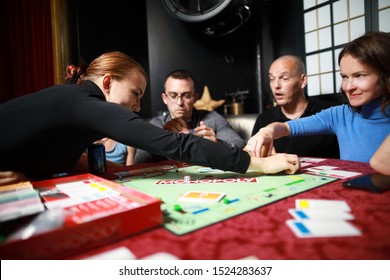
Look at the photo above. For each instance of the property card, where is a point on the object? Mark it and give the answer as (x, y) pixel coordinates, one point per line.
(325, 204)
(320, 214)
(209, 169)
(195, 196)
(306, 161)
(322, 228)
(330, 171)
(15, 203)
(15, 187)
(311, 160)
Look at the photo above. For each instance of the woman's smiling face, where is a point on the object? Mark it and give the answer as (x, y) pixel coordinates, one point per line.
(359, 82)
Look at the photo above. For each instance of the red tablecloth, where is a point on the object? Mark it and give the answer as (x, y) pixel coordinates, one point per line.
(263, 233)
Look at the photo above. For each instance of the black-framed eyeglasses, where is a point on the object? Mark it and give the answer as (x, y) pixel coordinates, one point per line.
(174, 96)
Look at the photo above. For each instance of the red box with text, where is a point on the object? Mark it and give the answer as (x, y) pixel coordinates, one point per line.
(83, 212)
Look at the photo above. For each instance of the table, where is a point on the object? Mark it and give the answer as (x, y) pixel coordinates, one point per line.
(262, 233)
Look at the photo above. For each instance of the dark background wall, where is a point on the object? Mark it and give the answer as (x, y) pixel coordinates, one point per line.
(161, 43)
(224, 64)
(113, 26)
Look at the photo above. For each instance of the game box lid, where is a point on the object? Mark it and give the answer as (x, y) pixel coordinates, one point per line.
(82, 212)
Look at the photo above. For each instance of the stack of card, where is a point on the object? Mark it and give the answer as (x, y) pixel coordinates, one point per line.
(322, 218)
(18, 200)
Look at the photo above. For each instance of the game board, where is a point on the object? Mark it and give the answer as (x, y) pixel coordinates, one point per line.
(233, 193)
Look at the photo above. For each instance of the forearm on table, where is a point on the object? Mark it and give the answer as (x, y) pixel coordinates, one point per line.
(277, 130)
(380, 163)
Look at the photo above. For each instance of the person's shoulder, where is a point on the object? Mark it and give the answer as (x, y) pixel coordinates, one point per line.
(120, 148)
(59, 89)
(335, 111)
(204, 114)
(213, 114)
(158, 120)
(120, 145)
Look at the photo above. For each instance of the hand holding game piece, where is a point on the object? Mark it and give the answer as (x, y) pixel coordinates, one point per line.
(206, 132)
(276, 163)
(177, 125)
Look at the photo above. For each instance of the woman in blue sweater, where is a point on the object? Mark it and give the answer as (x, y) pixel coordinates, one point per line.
(363, 124)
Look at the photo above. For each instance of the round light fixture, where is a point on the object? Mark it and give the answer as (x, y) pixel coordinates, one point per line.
(212, 18)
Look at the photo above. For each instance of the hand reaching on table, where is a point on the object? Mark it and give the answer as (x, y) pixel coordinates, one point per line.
(262, 143)
(275, 163)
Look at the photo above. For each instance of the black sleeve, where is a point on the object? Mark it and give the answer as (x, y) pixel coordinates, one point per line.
(124, 126)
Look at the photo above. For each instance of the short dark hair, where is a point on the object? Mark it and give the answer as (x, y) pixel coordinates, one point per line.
(181, 75)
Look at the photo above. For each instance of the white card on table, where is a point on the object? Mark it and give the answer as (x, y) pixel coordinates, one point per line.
(320, 214)
(326, 171)
(322, 228)
(330, 205)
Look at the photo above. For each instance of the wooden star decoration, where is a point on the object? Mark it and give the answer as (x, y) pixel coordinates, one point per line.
(206, 103)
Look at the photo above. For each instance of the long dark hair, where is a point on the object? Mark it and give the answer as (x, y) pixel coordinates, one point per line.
(373, 50)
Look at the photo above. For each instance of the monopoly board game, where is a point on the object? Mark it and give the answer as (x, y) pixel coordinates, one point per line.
(194, 196)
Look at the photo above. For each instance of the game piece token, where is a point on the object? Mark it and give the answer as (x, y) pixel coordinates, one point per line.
(177, 207)
(187, 179)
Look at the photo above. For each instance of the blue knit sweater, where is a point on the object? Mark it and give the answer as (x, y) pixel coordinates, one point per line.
(359, 134)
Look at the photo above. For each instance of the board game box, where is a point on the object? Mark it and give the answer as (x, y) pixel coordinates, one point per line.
(82, 212)
(193, 197)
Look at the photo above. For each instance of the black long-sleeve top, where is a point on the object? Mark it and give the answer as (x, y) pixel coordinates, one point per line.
(46, 132)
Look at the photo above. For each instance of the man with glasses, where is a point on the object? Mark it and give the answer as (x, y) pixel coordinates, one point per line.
(179, 96)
